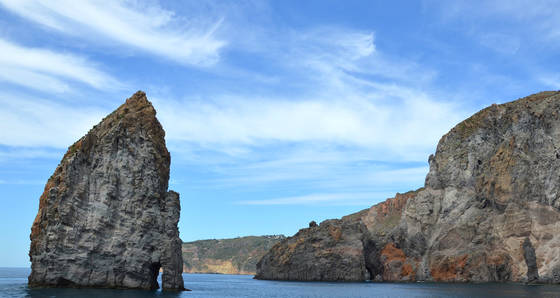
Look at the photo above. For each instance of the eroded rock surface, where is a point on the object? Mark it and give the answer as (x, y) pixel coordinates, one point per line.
(330, 251)
(489, 211)
(106, 218)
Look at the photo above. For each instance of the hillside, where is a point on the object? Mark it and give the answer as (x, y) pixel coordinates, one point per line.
(227, 256)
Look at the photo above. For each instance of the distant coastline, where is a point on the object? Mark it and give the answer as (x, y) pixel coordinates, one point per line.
(226, 256)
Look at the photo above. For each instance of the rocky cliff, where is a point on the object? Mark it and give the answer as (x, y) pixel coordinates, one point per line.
(227, 256)
(489, 211)
(106, 218)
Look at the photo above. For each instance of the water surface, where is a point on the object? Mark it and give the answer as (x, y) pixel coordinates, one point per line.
(13, 283)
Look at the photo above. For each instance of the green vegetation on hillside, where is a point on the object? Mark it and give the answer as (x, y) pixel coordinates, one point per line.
(229, 256)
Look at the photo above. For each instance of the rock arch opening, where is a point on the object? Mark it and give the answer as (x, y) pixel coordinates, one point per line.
(154, 271)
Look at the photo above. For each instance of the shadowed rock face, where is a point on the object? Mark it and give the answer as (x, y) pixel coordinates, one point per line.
(336, 250)
(331, 251)
(489, 211)
(106, 218)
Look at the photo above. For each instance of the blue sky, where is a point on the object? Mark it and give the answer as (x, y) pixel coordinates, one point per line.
(277, 113)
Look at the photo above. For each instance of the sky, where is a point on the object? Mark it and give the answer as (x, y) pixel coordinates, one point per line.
(276, 112)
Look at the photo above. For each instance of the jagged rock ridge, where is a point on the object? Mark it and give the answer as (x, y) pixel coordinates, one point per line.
(227, 256)
(106, 218)
(489, 211)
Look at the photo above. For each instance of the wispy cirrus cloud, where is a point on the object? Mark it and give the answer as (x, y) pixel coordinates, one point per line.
(541, 15)
(347, 93)
(405, 128)
(519, 21)
(22, 182)
(521, 34)
(301, 166)
(35, 122)
(339, 174)
(346, 199)
(26, 153)
(551, 79)
(347, 107)
(48, 70)
(146, 27)
(338, 104)
(337, 53)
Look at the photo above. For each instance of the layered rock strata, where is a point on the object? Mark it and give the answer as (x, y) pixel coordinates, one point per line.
(106, 218)
(489, 211)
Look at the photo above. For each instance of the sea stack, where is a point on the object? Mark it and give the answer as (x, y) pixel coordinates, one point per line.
(106, 218)
(489, 211)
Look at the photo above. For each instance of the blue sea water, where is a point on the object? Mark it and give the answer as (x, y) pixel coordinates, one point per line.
(13, 283)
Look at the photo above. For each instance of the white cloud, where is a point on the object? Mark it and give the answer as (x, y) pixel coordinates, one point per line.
(352, 95)
(36, 122)
(336, 174)
(340, 58)
(524, 34)
(354, 106)
(22, 182)
(501, 43)
(345, 199)
(403, 129)
(14, 153)
(538, 19)
(141, 26)
(46, 70)
(551, 80)
(359, 186)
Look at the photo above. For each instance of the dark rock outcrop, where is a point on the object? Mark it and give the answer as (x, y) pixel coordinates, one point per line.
(106, 218)
(489, 211)
(340, 257)
(347, 249)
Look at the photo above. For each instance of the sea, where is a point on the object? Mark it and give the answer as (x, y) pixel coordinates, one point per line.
(13, 283)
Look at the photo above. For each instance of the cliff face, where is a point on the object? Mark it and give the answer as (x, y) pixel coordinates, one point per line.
(226, 256)
(106, 218)
(344, 249)
(488, 212)
(331, 251)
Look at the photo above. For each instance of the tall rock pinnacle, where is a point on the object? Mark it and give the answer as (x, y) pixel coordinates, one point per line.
(106, 218)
